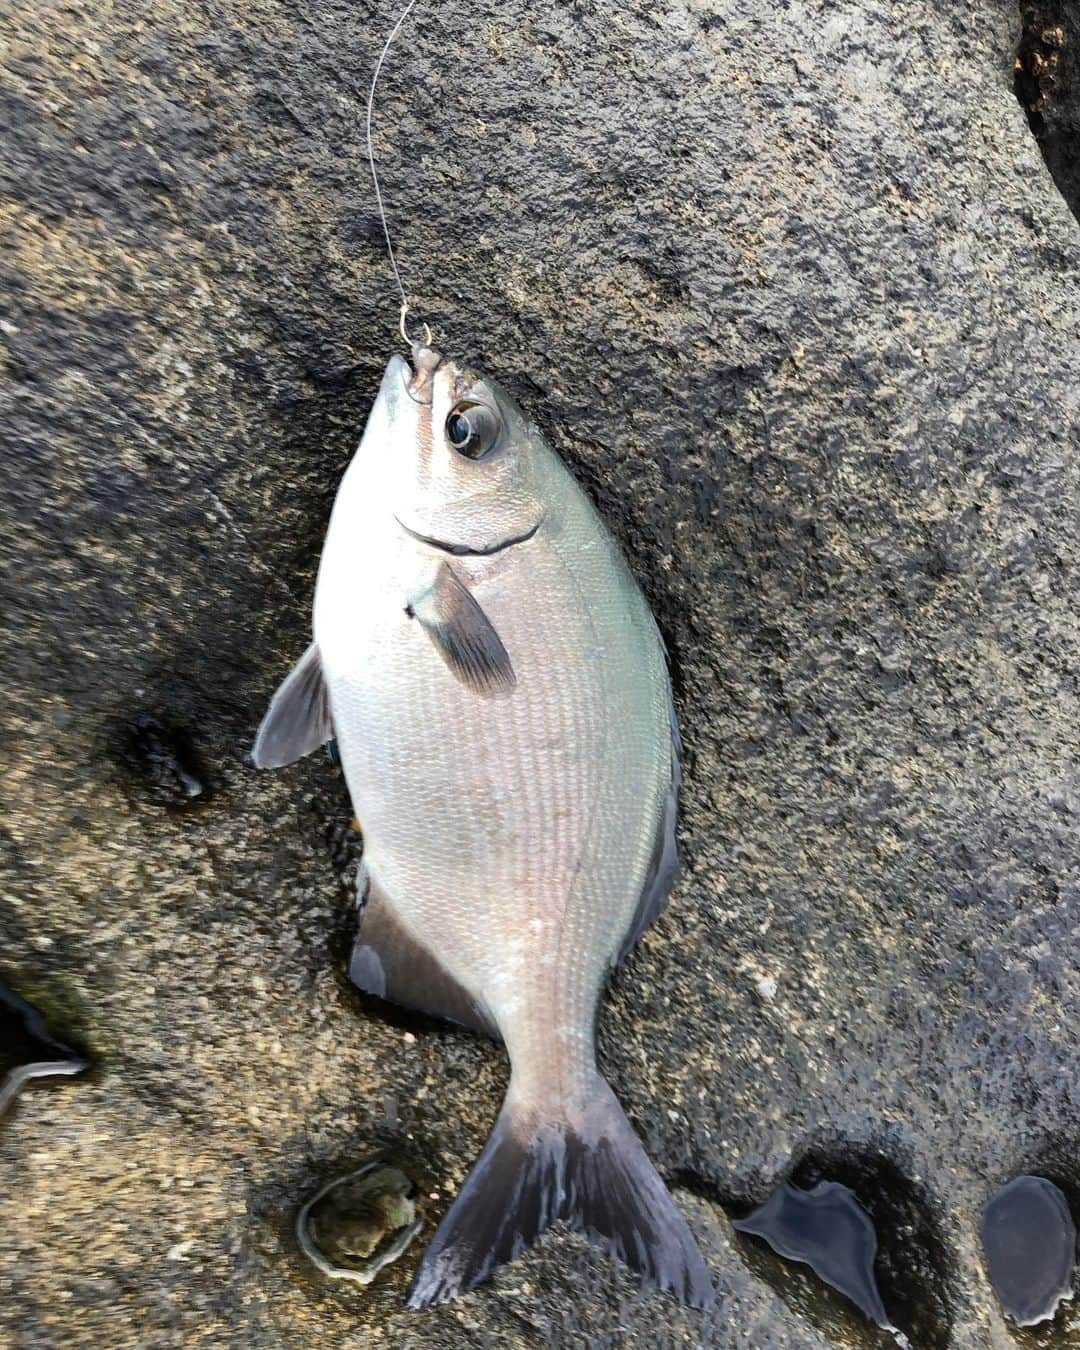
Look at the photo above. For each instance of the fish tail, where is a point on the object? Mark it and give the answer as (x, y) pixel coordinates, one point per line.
(587, 1170)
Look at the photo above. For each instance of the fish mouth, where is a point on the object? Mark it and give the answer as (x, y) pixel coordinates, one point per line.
(469, 550)
(420, 383)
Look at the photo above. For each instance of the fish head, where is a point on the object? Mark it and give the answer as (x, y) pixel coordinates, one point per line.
(457, 457)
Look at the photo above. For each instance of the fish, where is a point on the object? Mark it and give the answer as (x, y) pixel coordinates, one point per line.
(499, 694)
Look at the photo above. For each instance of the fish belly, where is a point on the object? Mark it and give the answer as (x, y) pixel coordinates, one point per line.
(512, 832)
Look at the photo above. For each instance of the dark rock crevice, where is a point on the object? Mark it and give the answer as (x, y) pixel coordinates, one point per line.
(1047, 83)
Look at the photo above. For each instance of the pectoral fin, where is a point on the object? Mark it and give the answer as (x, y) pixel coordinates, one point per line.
(463, 634)
(390, 962)
(298, 720)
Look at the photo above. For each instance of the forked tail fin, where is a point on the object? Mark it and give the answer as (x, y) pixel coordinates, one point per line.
(591, 1174)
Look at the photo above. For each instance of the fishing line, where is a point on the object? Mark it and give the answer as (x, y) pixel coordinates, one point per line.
(375, 178)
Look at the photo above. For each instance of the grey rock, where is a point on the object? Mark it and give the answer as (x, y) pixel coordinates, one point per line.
(792, 288)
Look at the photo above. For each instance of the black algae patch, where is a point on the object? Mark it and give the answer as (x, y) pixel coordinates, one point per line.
(165, 759)
(1029, 1239)
(830, 1231)
(27, 1050)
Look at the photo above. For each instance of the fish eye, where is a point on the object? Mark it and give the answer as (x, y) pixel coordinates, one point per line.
(472, 430)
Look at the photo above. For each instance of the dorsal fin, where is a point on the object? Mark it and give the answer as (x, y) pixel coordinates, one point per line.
(390, 962)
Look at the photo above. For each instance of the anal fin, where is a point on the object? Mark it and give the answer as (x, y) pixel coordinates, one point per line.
(390, 962)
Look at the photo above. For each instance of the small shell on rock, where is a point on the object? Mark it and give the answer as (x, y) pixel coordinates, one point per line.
(360, 1223)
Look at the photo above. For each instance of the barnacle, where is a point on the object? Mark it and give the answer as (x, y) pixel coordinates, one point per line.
(360, 1223)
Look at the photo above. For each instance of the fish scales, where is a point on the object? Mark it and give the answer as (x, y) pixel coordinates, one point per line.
(544, 876)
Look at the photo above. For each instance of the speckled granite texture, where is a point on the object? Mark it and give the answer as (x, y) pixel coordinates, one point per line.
(791, 287)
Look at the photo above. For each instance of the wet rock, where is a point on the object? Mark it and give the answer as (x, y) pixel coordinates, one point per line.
(915, 1266)
(830, 1231)
(796, 295)
(1029, 1238)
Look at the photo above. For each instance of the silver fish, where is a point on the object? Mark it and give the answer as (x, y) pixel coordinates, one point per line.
(499, 694)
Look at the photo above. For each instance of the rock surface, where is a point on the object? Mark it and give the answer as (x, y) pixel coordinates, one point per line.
(793, 290)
